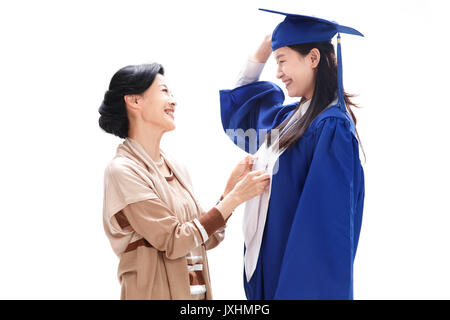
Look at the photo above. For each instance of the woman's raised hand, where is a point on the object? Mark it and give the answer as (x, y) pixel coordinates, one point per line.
(264, 50)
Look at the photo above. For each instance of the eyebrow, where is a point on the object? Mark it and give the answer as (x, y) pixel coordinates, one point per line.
(163, 85)
(279, 56)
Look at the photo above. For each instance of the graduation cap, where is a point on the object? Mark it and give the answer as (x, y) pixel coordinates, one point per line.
(297, 29)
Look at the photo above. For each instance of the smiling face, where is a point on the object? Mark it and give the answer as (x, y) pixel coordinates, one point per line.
(297, 72)
(156, 105)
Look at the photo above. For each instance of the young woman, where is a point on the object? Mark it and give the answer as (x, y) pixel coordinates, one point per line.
(151, 216)
(301, 235)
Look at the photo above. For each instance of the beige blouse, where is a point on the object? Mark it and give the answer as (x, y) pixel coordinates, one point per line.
(157, 228)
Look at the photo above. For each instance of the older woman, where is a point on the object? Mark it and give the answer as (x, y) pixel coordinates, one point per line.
(151, 216)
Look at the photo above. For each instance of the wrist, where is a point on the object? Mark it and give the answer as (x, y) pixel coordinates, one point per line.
(263, 53)
(226, 191)
(261, 56)
(227, 205)
(233, 198)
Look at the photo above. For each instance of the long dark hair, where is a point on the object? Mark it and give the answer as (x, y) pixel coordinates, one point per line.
(134, 79)
(325, 91)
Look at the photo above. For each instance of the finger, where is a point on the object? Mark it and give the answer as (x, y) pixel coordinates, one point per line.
(253, 174)
(258, 172)
(243, 162)
(262, 177)
(249, 160)
(263, 174)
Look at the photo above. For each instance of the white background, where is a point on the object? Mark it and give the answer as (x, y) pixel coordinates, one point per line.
(57, 59)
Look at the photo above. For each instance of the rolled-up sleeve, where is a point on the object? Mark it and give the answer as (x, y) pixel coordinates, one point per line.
(250, 72)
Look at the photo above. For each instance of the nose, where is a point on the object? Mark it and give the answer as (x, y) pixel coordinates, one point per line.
(172, 101)
(279, 72)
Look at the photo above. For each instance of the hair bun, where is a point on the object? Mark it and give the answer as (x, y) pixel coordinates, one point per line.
(113, 117)
(111, 111)
(113, 97)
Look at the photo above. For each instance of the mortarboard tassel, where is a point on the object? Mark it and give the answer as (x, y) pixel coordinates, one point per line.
(341, 100)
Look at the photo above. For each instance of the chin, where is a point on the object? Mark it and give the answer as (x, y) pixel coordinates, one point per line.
(292, 94)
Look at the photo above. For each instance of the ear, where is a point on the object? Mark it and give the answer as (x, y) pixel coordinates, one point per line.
(131, 101)
(314, 57)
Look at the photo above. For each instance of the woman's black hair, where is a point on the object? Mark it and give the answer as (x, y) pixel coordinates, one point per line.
(325, 91)
(134, 79)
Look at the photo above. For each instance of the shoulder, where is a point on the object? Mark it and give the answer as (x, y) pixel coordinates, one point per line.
(118, 165)
(121, 167)
(333, 117)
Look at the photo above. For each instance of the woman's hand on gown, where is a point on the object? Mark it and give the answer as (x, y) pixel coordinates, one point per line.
(242, 168)
(252, 184)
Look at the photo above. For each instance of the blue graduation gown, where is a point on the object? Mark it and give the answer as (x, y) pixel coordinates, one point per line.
(316, 203)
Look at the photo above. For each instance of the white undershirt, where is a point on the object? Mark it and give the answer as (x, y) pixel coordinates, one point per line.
(250, 72)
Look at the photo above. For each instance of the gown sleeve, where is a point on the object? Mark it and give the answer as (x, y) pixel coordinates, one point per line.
(318, 259)
(249, 108)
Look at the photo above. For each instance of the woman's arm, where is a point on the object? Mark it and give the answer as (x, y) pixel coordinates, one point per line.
(153, 220)
(161, 228)
(241, 169)
(255, 63)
